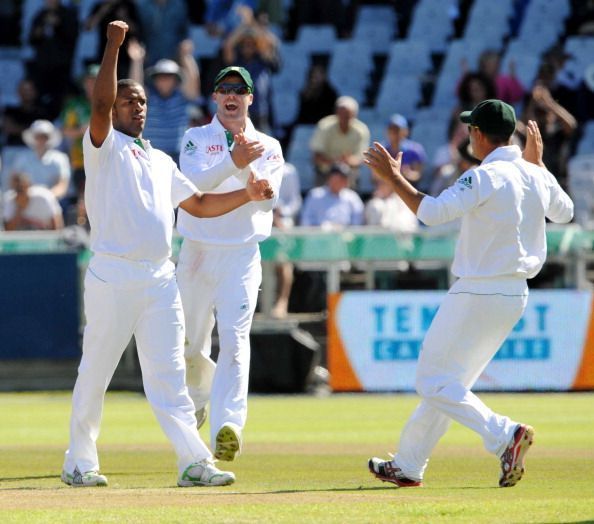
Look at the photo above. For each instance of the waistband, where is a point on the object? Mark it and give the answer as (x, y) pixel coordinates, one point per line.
(512, 286)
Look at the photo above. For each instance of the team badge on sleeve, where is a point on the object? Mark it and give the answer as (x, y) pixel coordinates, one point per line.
(466, 181)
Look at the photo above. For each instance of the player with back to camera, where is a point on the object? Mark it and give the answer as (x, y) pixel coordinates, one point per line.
(503, 204)
(130, 286)
(219, 270)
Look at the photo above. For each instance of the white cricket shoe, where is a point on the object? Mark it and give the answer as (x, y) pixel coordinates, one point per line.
(201, 416)
(228, 442)
(83, 480)
(204, 473)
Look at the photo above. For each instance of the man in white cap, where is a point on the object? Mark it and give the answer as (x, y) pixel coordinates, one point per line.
(43, 162)
(340, 137)
(172, 88)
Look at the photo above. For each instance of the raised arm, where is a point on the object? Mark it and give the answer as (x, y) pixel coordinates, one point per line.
(191, 73)
(105, 91)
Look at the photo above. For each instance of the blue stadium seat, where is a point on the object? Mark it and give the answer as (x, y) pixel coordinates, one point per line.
(580, 178)
(13, 72)
(85, 50)
(316, 39)
(407, 57)
(526, 63)
(399, 94)
(299, 154)
(376, 15)
(205, 45)
(378, 36)
(432, 23)
(285, 106)
(586, 143)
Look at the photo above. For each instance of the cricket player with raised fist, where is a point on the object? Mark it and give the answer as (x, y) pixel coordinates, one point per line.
(219, 270)
(130, 287)
(503, 204)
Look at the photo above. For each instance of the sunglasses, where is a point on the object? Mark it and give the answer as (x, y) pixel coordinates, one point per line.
(232, 89)
(470, 127)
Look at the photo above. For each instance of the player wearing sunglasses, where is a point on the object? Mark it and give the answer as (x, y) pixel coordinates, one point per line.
(219, 270)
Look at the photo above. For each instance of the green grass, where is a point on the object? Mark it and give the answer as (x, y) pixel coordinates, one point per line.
(304, 461)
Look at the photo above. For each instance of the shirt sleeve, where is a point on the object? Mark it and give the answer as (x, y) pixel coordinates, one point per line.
(93, 155)
(195, 166)
(270, 168)
(181, 187)
(364, 138)
(560, 208)
(471, 189)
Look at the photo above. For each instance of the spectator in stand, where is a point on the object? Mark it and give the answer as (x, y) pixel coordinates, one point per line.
(28, 207)
(557, 127)
(173, 90)
(284, 217)
(254, 47)
(75, 121)
(334, 203)
(340, 137)
(18, 118)
(46, 165)
(53, 35)
(318, 97)
(507, 87)
(104, 12)
(386, 209)
(414, 156)
(473, 88)
(165, 25)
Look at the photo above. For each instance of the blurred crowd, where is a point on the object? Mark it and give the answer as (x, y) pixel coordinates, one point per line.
(40, 136)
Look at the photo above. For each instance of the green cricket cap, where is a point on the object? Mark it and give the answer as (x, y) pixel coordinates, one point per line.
(492, 117)
(235, 70)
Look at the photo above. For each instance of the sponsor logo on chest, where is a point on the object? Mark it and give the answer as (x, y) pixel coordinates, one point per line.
(273, 157)
(214, 149)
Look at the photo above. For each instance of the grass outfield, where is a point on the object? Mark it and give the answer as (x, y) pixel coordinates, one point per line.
(304, 461)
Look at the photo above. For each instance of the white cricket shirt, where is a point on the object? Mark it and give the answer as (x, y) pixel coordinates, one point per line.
(503, 204)
(205, 159)
(130, 195)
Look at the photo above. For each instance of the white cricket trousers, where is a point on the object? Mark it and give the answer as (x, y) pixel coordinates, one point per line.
(222, 283)
(125, 298)
(472, 322)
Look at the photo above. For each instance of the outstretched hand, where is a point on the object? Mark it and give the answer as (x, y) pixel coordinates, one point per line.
(382, 163)
(258, 189)
(534, 146)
